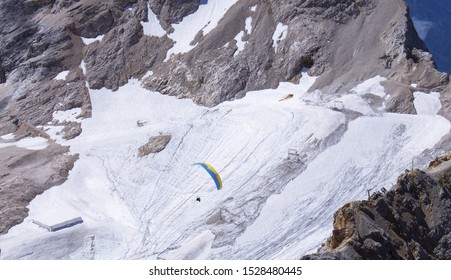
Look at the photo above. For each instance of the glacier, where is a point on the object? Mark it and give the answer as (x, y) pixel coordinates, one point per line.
(287, 165)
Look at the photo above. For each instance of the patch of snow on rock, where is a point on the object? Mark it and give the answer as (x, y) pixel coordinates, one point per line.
(239, 42)
(279, 34)
(152, 27)
(29, 143)
(205, 19)
(371, 86)
(9, 136)
(249, 25)
(68, 115)
(61, 76)
(88, 41)
(427, 104)
(83, 67)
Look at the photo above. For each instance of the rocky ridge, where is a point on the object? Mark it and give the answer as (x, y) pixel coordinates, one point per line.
(410, 221)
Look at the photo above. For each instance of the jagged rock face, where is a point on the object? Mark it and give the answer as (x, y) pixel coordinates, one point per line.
(35, 51)
(173, 11)
(329, 37)
(93, 18)
(337, 10)
(200, 74)
(122, 51)
(22, 41)
(411, 221)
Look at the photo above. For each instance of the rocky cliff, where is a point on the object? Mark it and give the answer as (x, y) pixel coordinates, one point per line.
(343, 41)
(256, 45)
(410, 221)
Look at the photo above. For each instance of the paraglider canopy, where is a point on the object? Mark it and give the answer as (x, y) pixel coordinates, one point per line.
(213, 173)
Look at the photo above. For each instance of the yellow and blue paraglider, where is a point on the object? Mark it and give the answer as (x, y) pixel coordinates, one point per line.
(213, 173)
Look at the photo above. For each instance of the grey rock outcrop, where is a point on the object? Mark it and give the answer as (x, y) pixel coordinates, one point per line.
(199, 74)
(71, 130)
(411, 221)
(173, 11)
(121, 52)
(24, 174)
(33, 52)
(155, 145)
(93, 18)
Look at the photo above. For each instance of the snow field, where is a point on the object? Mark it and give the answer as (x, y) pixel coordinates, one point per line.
(270, 207)
(149, 195)
(352, 102)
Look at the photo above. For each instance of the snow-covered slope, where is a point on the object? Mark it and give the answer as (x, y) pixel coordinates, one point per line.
(287, 159)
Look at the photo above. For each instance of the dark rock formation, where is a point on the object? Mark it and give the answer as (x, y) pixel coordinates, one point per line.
(154, 145)
(40, 39)
(121, 52)
(71, 130)
(173, 11)
(34, 50)
(411, 221)
(93, 18)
